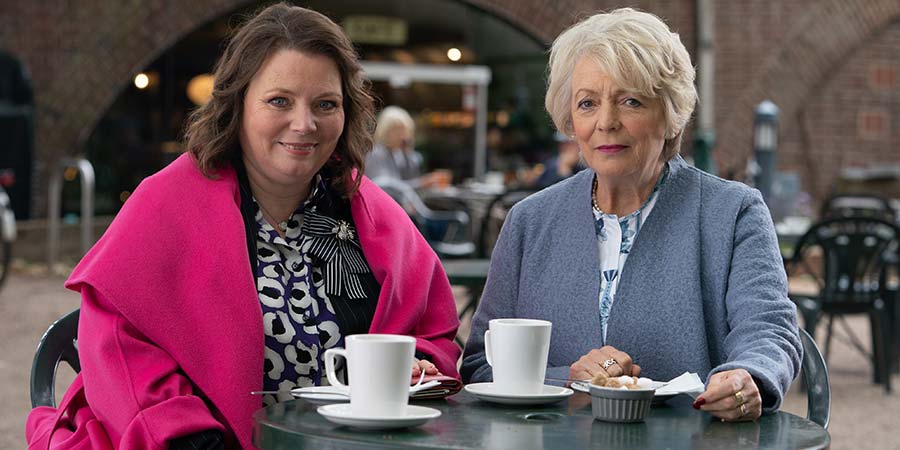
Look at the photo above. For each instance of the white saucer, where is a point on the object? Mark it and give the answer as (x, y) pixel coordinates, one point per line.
(489, 393)
(320, 394)
(340, 414)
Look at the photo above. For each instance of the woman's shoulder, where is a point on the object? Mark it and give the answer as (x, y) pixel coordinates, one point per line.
(719, 203)
(378, 153)
(183, 173)
(560, 204)
(182, 183)
(714, 189)
(560, 195)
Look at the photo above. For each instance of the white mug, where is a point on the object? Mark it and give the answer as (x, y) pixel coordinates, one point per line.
(379, 368)
(517, 351)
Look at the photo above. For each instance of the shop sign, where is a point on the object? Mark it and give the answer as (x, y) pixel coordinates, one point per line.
(376, 30)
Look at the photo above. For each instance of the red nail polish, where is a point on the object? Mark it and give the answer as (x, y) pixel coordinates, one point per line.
(700, 402)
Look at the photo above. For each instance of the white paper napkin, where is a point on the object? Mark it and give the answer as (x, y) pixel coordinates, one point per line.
(687, 383)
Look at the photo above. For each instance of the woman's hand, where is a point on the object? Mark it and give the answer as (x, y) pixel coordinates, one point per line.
(617, 363)
(423, 364)
(732, 396)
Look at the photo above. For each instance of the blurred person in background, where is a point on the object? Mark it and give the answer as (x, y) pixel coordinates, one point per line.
(705, 289)
(565, 164)
(234, 268)
(394, 155)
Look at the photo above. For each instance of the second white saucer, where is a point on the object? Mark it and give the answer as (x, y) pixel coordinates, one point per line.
(490, 392)
(341, 414)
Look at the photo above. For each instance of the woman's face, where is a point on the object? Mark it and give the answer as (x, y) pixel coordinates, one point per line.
(399, 137)
(292, 119)
(620, 133)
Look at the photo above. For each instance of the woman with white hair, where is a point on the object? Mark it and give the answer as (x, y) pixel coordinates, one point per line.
(394, 156)
(703, 290)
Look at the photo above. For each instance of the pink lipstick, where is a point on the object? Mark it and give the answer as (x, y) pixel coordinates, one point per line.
(611, 148)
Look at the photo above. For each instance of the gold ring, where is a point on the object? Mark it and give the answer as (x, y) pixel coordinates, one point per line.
(743, 409)
(739, 396)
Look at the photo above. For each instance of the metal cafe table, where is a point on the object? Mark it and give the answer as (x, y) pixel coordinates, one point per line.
(467, 423)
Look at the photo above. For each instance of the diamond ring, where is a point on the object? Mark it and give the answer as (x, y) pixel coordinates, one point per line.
(608, 362)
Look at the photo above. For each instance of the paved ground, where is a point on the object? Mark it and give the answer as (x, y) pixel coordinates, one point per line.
(863, 417)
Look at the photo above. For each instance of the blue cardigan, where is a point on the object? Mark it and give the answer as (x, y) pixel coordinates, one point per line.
(703, 289)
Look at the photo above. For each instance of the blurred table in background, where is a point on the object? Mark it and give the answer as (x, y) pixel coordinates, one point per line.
(475, 198)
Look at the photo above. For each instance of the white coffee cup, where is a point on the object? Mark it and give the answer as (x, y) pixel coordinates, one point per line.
(379, 368)
(517, 351)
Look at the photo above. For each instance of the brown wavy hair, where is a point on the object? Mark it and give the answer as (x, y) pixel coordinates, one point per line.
(211, 133)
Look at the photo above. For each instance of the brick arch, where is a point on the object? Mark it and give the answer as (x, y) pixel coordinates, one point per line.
(794, 71)
(110, 43)
(542, 20)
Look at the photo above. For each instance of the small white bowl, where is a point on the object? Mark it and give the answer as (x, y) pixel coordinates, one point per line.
(620, 405)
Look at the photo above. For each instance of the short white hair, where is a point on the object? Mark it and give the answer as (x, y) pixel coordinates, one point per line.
(389, 118)
(639, 52)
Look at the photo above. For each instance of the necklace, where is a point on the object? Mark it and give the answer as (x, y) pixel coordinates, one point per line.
(659, 183)
(283, 225)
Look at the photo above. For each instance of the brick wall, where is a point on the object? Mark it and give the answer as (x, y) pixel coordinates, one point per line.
(82, 53)
(811, 58)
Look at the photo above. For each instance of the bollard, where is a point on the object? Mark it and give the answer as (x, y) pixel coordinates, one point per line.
(765, 146)
(86, 170)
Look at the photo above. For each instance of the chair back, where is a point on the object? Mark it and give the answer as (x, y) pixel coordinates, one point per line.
(852, 251)
(58, 344)
(494, 216)
(454, 225)
(858, 205)
(815, 375)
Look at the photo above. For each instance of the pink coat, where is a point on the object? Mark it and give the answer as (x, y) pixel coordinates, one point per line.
(171, 332)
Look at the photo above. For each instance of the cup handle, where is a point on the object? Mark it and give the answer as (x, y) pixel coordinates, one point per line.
(329, 356)
(487, 347)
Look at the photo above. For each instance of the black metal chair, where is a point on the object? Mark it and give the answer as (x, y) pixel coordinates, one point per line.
(58, 344)
(847, 257)
(877, 206)
(494, 216)
(815, 377)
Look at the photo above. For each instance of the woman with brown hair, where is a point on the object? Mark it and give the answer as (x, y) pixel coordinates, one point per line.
(234, 268)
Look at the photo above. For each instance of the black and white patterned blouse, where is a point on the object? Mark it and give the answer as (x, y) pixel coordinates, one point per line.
(314, 286)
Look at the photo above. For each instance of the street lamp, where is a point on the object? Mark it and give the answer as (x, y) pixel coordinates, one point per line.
(765, 146)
